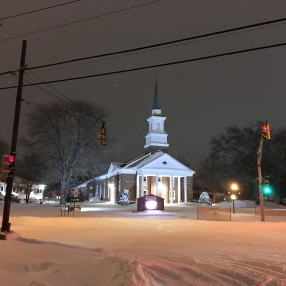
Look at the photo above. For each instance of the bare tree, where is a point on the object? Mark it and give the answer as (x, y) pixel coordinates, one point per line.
(67, 137)
(209, 174)
(31, 169)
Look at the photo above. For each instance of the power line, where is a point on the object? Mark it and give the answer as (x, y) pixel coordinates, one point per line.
(37, 10)
(66, 99)
(154, 66)
(162, 44)
(158, 45)
(80, 21)
(157, 49)
(76, 115)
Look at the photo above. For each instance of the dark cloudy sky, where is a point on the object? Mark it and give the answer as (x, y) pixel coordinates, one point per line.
(199, 99)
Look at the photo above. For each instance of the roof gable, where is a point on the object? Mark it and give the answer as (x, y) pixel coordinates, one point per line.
(165, 161)
(113, 167)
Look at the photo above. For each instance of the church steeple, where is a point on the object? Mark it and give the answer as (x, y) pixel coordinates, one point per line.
(156, 103)
(156, 139)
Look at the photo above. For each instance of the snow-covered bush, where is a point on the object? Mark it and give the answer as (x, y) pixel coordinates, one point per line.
(204, 198)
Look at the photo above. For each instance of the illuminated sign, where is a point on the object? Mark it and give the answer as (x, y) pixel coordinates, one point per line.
(151, 205)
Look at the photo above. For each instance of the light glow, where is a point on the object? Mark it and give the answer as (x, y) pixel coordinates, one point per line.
(234, 187)
(233, 197)
(151, 205)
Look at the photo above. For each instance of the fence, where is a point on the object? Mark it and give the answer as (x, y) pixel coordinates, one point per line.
(213, 213)
(271, 211)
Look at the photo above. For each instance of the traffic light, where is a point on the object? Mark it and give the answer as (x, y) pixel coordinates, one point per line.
(266, 131)
(266, 188)
(103, 134)
(7, 166)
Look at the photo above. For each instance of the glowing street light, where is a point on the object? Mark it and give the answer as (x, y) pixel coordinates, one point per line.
(234, 187)
(233, 197)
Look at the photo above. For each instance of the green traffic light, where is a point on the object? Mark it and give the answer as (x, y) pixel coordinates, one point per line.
(267, 190)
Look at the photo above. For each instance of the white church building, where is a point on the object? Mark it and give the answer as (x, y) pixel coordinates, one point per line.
(155, 172)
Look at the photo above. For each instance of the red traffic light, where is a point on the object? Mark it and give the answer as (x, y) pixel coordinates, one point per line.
(264, 130)
(11, 158)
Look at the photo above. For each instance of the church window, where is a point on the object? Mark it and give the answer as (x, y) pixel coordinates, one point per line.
(158, 125)
(172, 193)
(159, 179)
(165, 163)
(145, 179)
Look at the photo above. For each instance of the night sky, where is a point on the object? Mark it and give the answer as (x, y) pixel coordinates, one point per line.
(199, 98)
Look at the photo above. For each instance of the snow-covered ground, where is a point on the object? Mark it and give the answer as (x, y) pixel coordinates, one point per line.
(105, 244)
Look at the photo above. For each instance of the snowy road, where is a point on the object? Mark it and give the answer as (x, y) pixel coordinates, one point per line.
(130, 250)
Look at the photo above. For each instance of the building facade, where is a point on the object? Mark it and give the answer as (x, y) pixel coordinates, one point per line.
(155, 172)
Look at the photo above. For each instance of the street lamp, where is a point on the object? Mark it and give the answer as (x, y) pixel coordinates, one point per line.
(234, 187)
(233, 197)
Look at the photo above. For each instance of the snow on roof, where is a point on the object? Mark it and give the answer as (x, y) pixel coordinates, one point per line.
(149, 158)
(82, 185)
(133, 163)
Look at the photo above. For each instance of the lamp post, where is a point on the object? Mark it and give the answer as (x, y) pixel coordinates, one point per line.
(233, 197)
(234, 187)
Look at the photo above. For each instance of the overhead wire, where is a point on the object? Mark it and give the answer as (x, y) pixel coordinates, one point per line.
(159, 48)
(37, 10)
(197, 37)
(76, 115)
(155, 66)
(82, 20)
(162, 44)
(66, 99)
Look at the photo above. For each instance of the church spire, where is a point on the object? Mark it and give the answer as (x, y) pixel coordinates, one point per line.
(156, 103)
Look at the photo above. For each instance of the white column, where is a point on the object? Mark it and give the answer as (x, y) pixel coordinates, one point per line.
(156, 190)
(137, 187)
(179, 189)
(142, 185)
(171, 188)
(185, 188)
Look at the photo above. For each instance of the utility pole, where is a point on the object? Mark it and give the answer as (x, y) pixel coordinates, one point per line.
(265, 135)
(6, 211)
(259, 159)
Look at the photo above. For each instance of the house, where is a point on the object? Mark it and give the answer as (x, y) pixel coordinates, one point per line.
(154, 172)
(20, 186)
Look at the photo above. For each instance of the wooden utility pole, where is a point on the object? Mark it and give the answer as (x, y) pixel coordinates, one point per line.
(6, 211)
(264, 136)
(259, 159)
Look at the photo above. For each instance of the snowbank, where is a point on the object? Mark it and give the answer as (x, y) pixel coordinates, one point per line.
(129, 248)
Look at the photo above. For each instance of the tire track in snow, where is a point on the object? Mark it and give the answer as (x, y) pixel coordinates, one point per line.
(230, 271)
